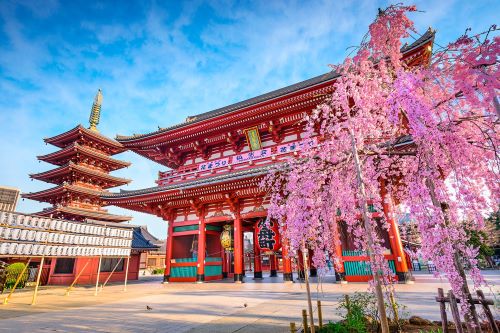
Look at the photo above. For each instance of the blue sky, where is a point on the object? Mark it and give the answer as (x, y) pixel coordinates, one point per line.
(158, 62)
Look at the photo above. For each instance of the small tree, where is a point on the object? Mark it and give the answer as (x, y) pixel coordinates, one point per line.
(427, 131)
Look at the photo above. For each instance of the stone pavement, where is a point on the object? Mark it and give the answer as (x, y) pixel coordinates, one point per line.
(187, 307)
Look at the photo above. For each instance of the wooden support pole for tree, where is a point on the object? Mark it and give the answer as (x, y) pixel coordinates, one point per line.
(320, 315)
(444, 207)
(395, 310)
(6, 300)
(454, 312)
(40, 268)
(98, 274)
(487, 311)
(109, 276)
(442, 309)
(384, 323)
(77, 277)
(306, 277)
(126, 275)
(293, 328)
(304, 321)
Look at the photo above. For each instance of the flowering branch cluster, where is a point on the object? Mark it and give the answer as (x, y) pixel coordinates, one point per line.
(445, 171)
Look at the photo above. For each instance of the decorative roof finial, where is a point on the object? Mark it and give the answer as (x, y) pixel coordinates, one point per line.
(95, 113)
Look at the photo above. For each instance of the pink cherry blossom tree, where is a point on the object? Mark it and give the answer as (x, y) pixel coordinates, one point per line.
(424, 129)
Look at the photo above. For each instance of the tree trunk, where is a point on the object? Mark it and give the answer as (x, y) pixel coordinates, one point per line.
(443, 206)
(384, 324)
(305, 254)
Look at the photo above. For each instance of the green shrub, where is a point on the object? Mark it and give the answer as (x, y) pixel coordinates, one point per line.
(334, 328)
(13, 272)
(158, 271)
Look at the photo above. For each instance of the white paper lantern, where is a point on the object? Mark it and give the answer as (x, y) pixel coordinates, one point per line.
(12, 248)
(31, 235)
(51, 237)
(15, 234)
(20, 248)
(46, 250)
(24, 235)
(27, 249)
(4, 248)
(35, 249)
(53, 250)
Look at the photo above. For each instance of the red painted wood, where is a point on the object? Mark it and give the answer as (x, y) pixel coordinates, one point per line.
(238, 246)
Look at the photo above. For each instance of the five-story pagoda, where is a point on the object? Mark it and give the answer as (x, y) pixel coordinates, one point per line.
(82, 174)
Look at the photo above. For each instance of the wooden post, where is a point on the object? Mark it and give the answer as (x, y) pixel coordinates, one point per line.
(347, 304)
(293, 329)
(304, 321)
(109, 276)
(442, 308)
(76, 278)
(487, 311)
(320, 315)
(98, 274)
(6, 300)
(384, 323)
(306, 276)
(33, 300)
(394, 309)
(126, 275)
(454, 312)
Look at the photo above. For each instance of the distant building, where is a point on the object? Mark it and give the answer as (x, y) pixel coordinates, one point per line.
(8, 198)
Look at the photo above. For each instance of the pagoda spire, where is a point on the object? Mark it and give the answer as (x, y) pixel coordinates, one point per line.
(95, 113)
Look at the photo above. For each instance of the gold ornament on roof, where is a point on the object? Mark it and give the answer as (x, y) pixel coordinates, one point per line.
(95, 113)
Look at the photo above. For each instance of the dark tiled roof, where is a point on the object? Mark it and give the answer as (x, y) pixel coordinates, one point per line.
(253, 172)
(139, 242)
(429, 34)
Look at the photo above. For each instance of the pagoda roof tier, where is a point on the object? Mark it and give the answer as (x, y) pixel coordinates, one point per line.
(61, 174)
(195, 124)
(66, 154)
(81, 214)
(80, 133)
(58, 191)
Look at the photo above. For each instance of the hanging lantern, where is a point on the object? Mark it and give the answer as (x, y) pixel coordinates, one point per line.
(268, 235)
(226, 238)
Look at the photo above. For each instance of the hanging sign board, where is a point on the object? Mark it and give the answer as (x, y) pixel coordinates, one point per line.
(253, 138)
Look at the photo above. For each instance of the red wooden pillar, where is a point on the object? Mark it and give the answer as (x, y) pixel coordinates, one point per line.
(225, 266)
(338, 263)
(202, 242)
(169, 247)
(394, 237)
(257, 262)
(273, 262)
(287, 265)
(238, 249)
(300, 265)
(312, 269)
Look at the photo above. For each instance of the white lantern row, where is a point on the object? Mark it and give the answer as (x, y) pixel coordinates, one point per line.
(59, 251)
(29, 221)
(60, 238)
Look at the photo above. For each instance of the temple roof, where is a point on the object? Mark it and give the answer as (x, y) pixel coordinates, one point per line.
(141, 241)
(82, 214)
(61, 189)
(330, 76)
(247, 173)
(62, 156)
(64, 139)
(52, 176)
